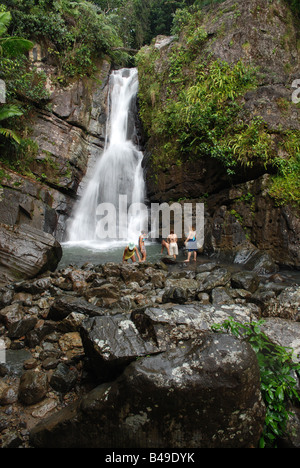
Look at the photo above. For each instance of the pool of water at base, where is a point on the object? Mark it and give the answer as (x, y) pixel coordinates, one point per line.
(99, 253)
(77, 254)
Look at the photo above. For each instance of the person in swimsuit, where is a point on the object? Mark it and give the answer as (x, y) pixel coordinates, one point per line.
(191, 244)
(142, 247)
(164, 244)
(129, 253)
(172, 239)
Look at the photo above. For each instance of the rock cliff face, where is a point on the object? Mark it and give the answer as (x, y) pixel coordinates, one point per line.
(264, 36)
(68, 136)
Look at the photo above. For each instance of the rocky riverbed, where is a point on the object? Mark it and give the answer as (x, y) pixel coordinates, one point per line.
(123, 355)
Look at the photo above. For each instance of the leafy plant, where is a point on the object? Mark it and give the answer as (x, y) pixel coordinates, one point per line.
(278, 372)
(285, 187)
(11, 46)
(6, 112)
(196, 117)
(77, 33)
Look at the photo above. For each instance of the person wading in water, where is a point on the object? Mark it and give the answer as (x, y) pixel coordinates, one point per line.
(129, 253)
(191, 244)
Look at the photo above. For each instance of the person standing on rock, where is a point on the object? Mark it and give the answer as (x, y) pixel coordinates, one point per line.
(191, 244)
(142, 246)
(172, 239)
(129, 253)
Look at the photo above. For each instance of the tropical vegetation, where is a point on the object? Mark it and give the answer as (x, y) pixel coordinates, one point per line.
(192, 107)
(278, 375)
(10, 47)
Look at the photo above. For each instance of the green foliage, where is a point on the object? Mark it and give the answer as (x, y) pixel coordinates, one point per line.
(7, 112)
(192, 107)
(278, 372)
(23, 80)
(77, 32)
(253, 144)
(196, 118)
(11, 46)
(285, 186)
(295, 6)
(21, 156)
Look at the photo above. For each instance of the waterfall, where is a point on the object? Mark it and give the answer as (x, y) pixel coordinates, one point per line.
(117, 174)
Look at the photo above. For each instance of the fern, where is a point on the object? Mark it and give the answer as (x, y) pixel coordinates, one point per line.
(9, 134)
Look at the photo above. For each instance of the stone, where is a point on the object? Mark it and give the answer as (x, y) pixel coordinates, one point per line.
(8, 395)
(286, 305)
(33, 387)
(50, 363)
(218, 277)
(65, 305)
(6, 297)
(220, 295)
(205, 394)
(167, 327)
(22, 327)
(44, 408)
(175, 294)
(284, 333)
(72, 322)
(36, 286)
(41, 330)
(111, 343)
(71, 344)
(26, 252)
(64, 378)
(245, 280)
(11, 314)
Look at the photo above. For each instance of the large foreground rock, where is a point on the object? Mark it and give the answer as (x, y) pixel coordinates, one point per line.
(26, 252)
(204, 394)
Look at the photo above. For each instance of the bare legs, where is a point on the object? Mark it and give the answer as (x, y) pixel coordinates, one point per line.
(189, 256)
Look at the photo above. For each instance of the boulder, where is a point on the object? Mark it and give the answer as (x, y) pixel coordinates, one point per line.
(209, 281)
(26, 252)
(286, 305)
(175, 294)
(111, 343)
(64, 305)
(168, 326)
(205, 394)
(284, 333)
(245, 280)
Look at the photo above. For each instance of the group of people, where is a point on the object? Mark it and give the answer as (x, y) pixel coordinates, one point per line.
(170, 243)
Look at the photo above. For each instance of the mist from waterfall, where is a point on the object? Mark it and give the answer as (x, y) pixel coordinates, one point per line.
(117, 173)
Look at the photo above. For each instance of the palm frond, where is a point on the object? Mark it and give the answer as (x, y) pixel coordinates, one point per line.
(9, 134)
(14, 46)
(7, 111)
(5, 18)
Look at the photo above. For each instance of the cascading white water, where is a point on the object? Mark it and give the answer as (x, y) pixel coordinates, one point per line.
(117, 172)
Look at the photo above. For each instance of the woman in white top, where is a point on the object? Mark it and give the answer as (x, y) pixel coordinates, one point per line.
(172, 239)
